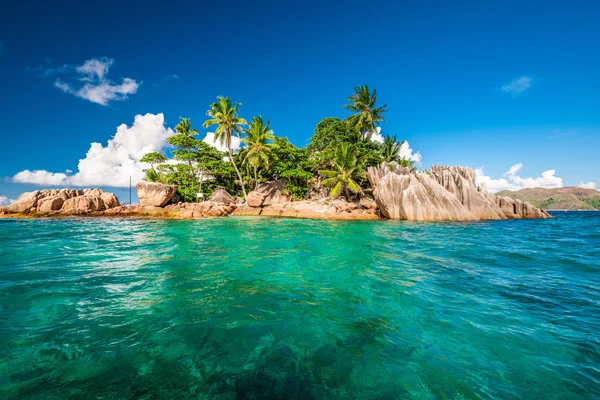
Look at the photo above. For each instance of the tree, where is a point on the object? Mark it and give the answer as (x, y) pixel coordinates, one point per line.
(184, 141)
(258, 150)
(329, 133)
(153, 158)
(293, 164)
(344, 167)
(366, 114)
(224, 114)
(390, 149)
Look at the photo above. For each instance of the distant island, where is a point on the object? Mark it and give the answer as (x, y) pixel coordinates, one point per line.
(566, 198)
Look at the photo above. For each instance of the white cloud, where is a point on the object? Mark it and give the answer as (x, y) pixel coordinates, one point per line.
(588, 185)
(173, 76)
(114, 164)
(407, 152)
(518, 86)
(405, 149)
(97, 88)
(210, 140)
(5, 201)
(548, 180)
(377, 136)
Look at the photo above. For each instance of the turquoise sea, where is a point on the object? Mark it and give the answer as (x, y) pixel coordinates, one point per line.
(271, 308)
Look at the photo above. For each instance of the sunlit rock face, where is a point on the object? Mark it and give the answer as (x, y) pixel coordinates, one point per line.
(155, 194)
(440, 194)
(63, 201)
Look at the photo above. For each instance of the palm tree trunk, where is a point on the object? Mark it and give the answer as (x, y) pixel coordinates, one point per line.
(238, 173)
(255, 178)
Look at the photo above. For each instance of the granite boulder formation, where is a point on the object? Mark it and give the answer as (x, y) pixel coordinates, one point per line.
(441, 194)
(65, 201)
(155, 194)
(268, 193)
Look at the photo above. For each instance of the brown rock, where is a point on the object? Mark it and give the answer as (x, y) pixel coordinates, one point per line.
(52, 203)
(368, 203)
(155, 194)
(109, 200)
(221, 196)
(273, 192)
(153, 211)
(255, 199)
(83, 204)
(24, 203)
(247, 212)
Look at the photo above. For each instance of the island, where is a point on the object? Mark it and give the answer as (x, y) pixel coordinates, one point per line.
(348, 171)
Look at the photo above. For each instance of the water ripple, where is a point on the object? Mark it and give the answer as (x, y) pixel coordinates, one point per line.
(251, 308)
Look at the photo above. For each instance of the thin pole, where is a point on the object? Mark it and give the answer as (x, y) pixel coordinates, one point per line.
(129, 189)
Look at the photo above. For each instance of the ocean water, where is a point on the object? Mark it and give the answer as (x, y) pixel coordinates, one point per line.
(254, 308)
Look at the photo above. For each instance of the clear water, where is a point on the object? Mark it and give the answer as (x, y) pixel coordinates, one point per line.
(252, 308)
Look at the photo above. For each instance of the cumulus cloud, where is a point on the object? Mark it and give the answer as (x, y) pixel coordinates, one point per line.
(97, 87)
(5, 201)
(113, 164)
(518, 86)
(377, 136)
(547, 180)
(210, 140)
(588, 185)
(405, 150)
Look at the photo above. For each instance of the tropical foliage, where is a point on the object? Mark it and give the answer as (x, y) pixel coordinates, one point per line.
(258, 149)
(367, 115)
(336, 157)
(344, 167)
(224, 114)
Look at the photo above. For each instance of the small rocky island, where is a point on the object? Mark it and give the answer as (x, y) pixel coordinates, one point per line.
(442, 193)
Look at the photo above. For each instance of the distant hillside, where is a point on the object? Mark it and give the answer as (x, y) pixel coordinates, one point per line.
(566, 198)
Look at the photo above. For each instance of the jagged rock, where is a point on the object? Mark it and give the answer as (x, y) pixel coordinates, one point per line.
(155, 194)
(255, 199)
(52, 203)
(418, 197)
(221, 196)
(446, 193)
(461, 182)
(375, 174)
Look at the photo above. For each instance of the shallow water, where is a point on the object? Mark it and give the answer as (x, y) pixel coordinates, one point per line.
(254, 308)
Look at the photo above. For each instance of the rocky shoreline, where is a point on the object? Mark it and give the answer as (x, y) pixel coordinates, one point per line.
(440, 194)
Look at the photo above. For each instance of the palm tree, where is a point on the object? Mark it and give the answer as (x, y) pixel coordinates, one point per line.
(390, 149)
(366, 115)
(345, 165)
(224, 114)
(258, 150)
(184, 127)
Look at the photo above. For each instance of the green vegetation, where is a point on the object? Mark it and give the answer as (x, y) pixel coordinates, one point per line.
(344, 167)
(336, 157)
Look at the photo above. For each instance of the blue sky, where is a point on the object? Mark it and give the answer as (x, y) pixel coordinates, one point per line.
(488, 85)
